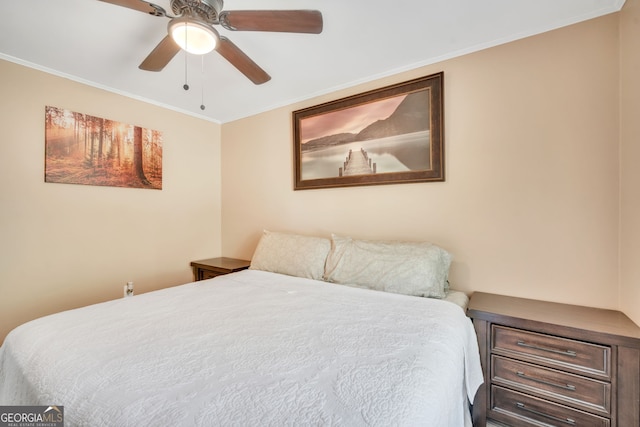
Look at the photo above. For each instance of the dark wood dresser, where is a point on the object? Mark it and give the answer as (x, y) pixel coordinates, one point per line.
(551, 364)
(212, 267)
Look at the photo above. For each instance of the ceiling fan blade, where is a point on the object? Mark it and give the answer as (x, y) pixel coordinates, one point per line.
(241, 61)
(139, 5)
(160, 55)
(285, 21)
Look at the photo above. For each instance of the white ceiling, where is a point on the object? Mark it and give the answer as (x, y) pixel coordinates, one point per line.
(101, 44)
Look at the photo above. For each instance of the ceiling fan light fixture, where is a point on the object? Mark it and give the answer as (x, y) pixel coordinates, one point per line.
(193, 36)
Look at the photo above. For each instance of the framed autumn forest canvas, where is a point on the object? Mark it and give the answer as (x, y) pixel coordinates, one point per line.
(385, 136)
(84, 149)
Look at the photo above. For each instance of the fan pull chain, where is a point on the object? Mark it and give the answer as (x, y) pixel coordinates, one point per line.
(186, 84)
(202, 107)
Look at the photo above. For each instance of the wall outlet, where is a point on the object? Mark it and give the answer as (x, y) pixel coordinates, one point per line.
(128, 289)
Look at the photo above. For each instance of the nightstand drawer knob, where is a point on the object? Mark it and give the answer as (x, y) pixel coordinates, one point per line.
(550, 350)
(543, 381)
(524, 407)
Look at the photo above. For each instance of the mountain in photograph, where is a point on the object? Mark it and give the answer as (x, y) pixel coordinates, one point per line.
(330, 141)
(411, 115)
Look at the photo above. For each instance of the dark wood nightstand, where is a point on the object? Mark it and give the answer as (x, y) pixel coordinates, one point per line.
(212, 267)
(555, 364)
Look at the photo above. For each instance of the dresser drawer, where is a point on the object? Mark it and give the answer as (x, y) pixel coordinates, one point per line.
(566, 354)
(519, 409)
(574, 390)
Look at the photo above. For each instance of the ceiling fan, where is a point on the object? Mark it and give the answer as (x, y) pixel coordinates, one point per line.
(191, 28)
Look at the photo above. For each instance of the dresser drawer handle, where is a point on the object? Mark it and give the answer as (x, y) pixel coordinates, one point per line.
(550, 350)
(568, 421)
(543, 381)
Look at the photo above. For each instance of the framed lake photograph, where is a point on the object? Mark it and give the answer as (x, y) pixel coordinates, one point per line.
(385, 136)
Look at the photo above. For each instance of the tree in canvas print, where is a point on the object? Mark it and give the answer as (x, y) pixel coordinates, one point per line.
(84, 149)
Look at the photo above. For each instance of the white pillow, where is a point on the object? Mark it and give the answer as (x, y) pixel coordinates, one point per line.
(291, 254)
(410, 268)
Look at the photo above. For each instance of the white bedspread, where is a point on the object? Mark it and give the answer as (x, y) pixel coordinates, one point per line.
(249, 349)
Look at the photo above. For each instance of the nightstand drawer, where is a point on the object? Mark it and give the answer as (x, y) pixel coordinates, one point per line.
(213, 267)
(567, 354)
(208, 274)
(519, 409)
(574, 390)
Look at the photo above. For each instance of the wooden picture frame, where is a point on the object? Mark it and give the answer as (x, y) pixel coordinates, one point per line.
(389, 135)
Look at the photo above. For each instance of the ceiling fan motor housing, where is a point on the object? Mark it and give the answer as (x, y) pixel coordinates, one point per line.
(207, 10)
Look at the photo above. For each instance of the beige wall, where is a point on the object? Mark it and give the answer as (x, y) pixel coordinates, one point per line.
(630, 159)
(530, 203)
(63, 246)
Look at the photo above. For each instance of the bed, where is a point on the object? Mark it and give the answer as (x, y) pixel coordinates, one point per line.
(252, 348)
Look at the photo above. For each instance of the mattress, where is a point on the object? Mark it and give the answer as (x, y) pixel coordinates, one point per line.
(249, 348)
(459, 298)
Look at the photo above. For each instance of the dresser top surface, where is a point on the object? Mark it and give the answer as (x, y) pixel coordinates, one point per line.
(493, 307)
